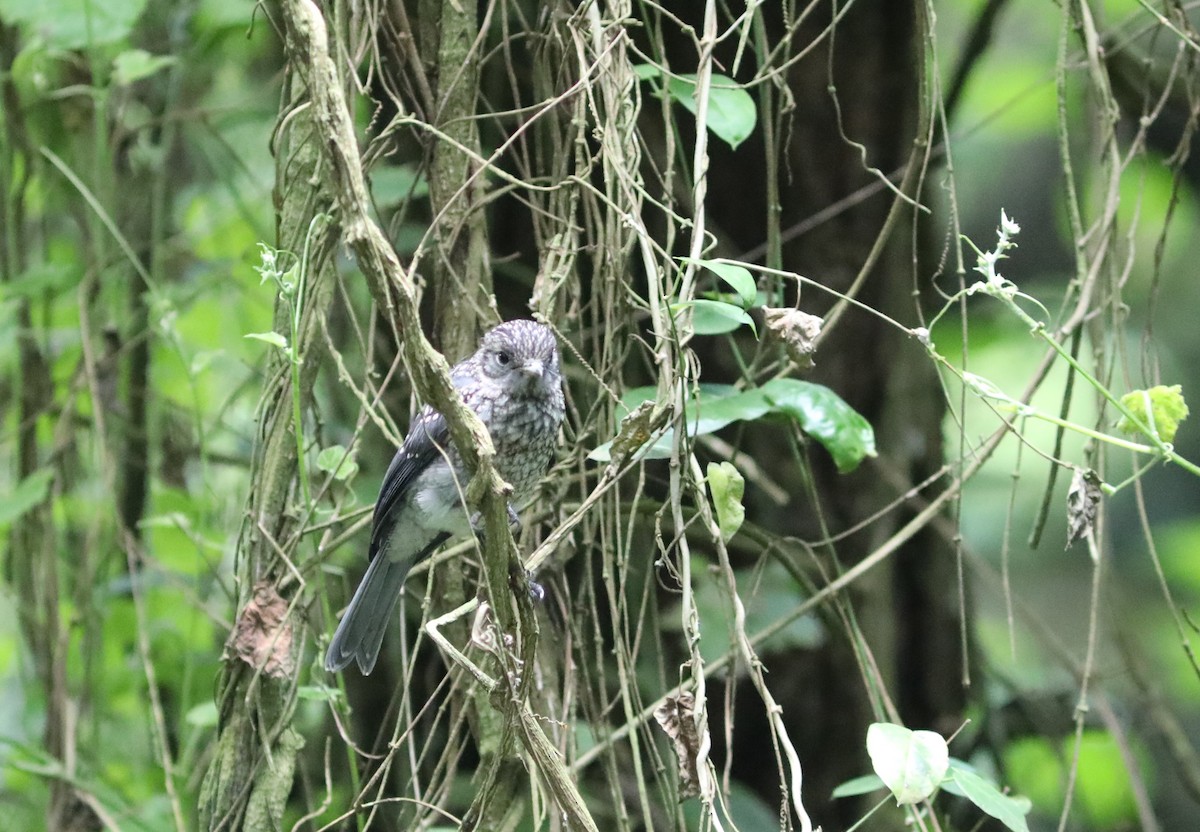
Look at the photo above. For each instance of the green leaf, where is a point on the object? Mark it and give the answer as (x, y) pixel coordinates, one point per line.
(43, 278)
(714, 317)
(820, 412)
(727, 487)
(859, 785)
(273, 338)
(136, 64)
(73, 24)
(394, 184)
(911, 764)
(336, 461)
(1010, 811)
(826, 417)
(767, 594)
(203, 715)
(1166, 410)
(30, 492)
(738, 278)
(319, 693)
(731, 110)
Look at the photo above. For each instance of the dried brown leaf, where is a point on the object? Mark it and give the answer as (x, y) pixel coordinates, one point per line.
(1083, 499)
(677, 718)
(263, 635)
(798, 331)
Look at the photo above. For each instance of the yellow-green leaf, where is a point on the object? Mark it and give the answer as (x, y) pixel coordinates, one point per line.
(727, 487)
(1160, 408)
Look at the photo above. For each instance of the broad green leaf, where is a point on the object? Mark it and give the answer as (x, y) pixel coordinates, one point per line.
(859, 785)
(714, 317)
(273, 338)
(731, 110)
(826, 417)
(728, 487)
(738, 278)
(1166, 409)
(820, 412)
(136, 64)
(335, 460)
(203, 715)
(319, 693)
(767, 595)
(43, 278)
(1010, 811)
(30, 492)
(394, 184)
(910, 763)
(73, 24)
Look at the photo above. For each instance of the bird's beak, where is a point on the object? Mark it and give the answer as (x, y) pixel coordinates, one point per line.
(534, 368)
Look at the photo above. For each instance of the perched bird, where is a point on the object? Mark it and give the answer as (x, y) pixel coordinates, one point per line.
(513, 382)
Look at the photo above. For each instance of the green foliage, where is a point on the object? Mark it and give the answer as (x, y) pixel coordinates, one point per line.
(915, 765)
(768, 593)
(1160, 408)
(732, 113)
(1038, 767)
(912, 764)
(1010, 811)
(715, 314)
(337, 461)
(714, 317)
(30, 492)
(135, 64)
(738, 278)
(74, 24)
(727, 487)
(816, 409)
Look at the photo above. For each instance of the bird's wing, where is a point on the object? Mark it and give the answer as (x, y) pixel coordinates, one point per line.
(428, 437)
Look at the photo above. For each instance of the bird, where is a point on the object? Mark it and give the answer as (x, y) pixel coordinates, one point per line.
(513, 382)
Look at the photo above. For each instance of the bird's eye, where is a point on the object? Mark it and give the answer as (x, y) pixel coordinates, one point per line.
(504, 358)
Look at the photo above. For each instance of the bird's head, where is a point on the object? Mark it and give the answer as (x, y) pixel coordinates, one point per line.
(521, 356)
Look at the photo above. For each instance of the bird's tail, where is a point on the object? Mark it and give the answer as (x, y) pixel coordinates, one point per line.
(359, 635)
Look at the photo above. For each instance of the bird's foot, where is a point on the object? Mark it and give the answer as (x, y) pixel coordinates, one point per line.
(478, 526)
(536, 591)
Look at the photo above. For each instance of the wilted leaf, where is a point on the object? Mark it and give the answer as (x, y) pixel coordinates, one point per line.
(1083, 498)
(727, 487)
(1160, 408)
(910, 763)
(636, 429)
(676, 716)
(263, 635)
(798, 331)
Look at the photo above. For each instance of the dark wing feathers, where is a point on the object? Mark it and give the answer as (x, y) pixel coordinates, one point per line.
(427, 437)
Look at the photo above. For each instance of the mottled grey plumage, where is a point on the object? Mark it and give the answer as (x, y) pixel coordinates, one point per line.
(514, 383)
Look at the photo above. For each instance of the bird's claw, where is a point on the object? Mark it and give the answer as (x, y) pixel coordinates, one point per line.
(479, 527)
(536, 591)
